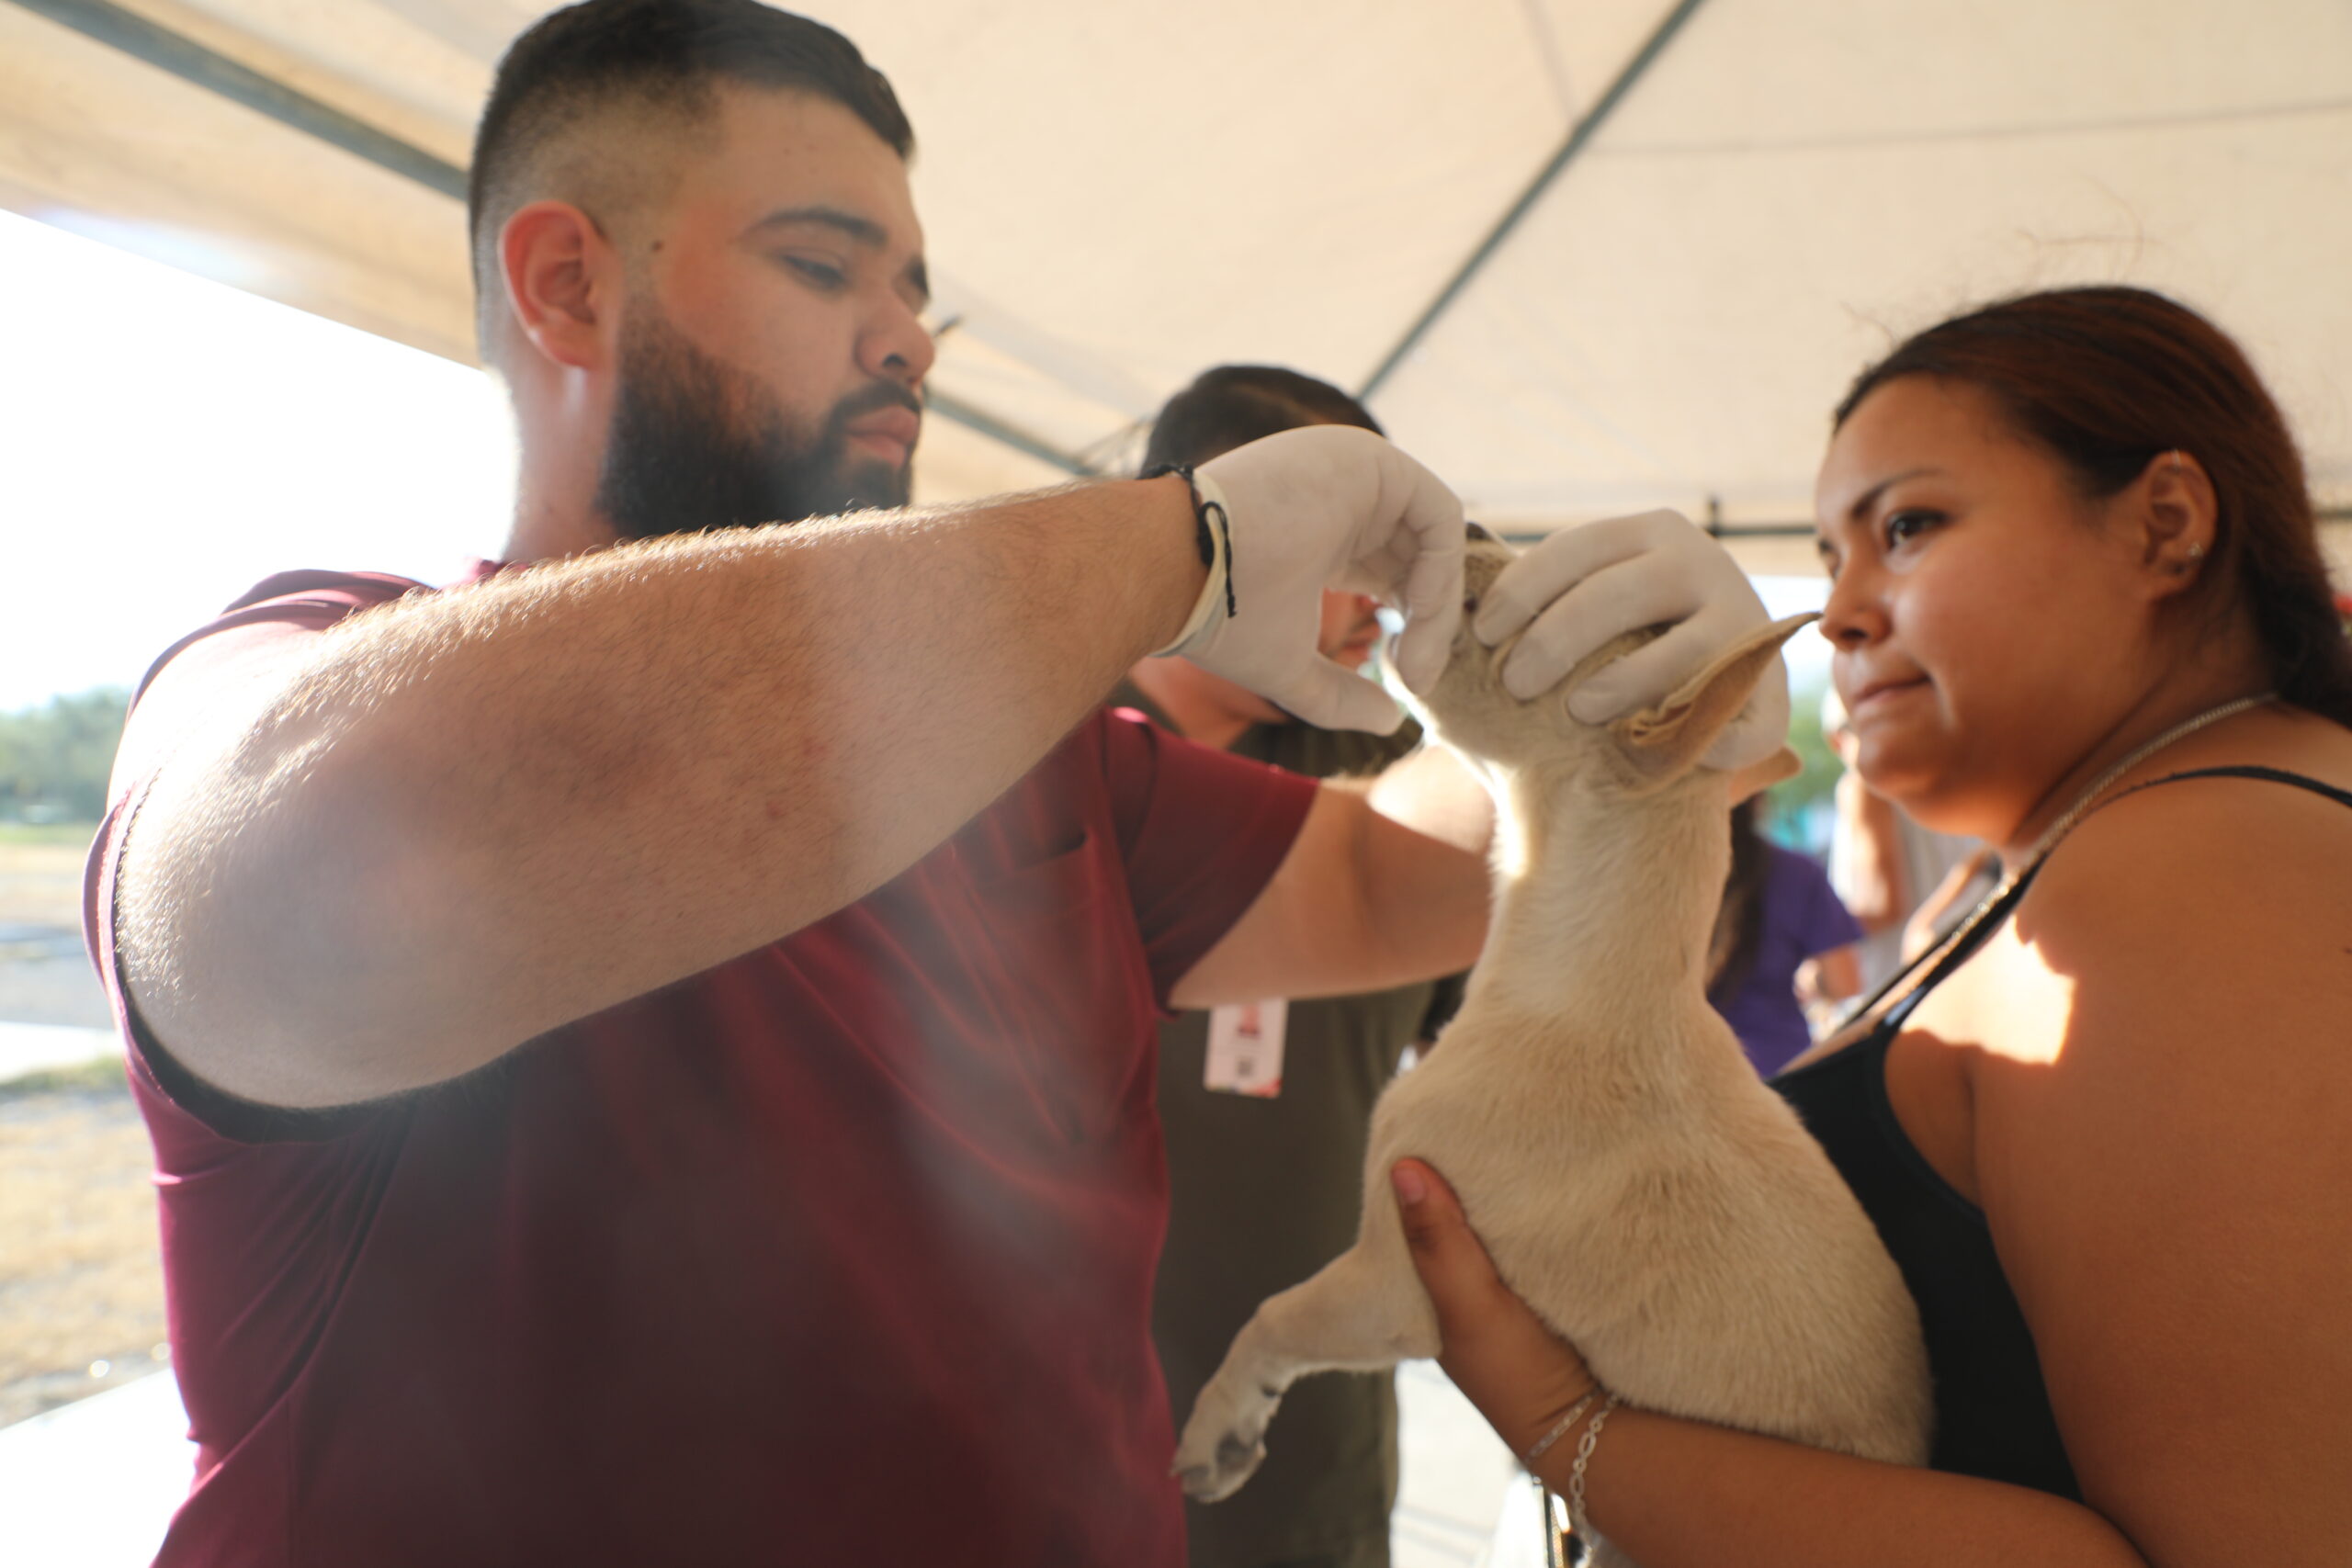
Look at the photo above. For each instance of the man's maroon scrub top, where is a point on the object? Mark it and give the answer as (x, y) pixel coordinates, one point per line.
(840, 1252)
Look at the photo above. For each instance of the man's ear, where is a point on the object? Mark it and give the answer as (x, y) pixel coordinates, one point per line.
(562, 282)
(1663, 741)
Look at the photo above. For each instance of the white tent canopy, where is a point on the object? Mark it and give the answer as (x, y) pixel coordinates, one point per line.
(1589, 255)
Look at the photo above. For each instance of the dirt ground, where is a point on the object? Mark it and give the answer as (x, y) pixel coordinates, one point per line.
(81, 1288)
(41, 875)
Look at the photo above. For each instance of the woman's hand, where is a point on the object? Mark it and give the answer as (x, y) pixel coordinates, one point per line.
(1672, 1492)
(1520, 1375)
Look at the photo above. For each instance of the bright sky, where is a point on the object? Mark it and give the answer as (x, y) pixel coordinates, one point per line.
(166, 441)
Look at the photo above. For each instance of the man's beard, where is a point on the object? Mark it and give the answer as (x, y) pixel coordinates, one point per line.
(679, 461)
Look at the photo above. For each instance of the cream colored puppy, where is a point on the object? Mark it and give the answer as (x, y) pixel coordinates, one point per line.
(1635, 1183)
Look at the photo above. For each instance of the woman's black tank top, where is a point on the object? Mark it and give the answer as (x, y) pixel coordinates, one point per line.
(1993, 1415)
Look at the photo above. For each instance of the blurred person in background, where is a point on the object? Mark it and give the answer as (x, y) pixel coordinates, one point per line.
(1265, 1169)
(1900, 881)
(1782, 941)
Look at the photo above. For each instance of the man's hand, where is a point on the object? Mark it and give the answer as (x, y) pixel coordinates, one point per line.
(1520, 1375)
(1583, 587)
(1329, 506)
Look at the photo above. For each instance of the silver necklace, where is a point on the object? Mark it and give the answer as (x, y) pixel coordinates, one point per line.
(2090, 797)
(1886, 996)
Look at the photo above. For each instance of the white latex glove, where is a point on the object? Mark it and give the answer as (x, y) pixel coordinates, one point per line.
(1328, 506)
(1582, 587)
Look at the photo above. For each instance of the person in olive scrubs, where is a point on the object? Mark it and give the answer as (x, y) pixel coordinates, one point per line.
(1265, 1190)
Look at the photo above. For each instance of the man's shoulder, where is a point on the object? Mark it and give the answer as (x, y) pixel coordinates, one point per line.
(316, 585)
(305, 600)
(309, 599)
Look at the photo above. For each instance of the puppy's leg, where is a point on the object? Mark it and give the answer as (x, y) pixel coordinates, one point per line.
(1365, 1311)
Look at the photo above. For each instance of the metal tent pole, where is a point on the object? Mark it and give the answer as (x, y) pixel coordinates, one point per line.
(1579, 138)
(134, 35)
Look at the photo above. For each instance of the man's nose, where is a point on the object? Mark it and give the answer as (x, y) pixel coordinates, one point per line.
(897, 347)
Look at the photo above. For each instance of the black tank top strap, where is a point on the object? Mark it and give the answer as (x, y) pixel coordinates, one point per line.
(1961, 946)
(2249, 771)
(1989, 916)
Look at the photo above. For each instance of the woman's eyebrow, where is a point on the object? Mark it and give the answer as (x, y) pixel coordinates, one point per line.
(1869, 498)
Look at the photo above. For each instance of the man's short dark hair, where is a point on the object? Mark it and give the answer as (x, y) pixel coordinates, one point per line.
(662, 56)
(1233, 405)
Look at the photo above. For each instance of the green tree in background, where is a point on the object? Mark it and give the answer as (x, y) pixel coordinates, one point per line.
(1798, 810)
(54, 758)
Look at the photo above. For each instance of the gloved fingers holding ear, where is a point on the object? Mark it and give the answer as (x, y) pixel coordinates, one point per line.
(1327, 506)
(1334, 506)
(1580, 589)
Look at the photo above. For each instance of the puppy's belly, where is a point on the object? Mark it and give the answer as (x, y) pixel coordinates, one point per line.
(1819, 1344)
(1729, 1279)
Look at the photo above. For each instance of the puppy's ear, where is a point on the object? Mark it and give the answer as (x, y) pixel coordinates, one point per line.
(1663, 741)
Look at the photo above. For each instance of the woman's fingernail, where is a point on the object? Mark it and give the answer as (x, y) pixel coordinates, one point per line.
(1410, 1188)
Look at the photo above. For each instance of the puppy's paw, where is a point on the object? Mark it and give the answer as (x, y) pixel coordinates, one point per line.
(1233, 1461)
(1223, 1442)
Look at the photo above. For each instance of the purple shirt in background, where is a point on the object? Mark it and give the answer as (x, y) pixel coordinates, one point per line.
(1803, 918)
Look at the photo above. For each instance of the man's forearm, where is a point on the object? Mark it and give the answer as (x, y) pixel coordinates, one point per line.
(480, 814)
(1359, 903)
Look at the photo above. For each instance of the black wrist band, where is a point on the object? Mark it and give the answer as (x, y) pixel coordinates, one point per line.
(1204, 511)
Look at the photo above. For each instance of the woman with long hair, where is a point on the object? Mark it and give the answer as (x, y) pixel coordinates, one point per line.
(2079, 611)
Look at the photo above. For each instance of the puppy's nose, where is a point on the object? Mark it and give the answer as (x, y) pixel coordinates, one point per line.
(1478, 534)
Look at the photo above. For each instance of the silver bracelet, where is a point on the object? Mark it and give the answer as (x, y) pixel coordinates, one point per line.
(1560, 1427)
(1585, 1445)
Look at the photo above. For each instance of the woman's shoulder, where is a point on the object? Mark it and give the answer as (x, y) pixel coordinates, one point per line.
(2199, 878)
(2158, 1149)
(2281, 788)
(2182, 961)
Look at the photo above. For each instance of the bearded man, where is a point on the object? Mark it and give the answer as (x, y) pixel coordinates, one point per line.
(648, 1047)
